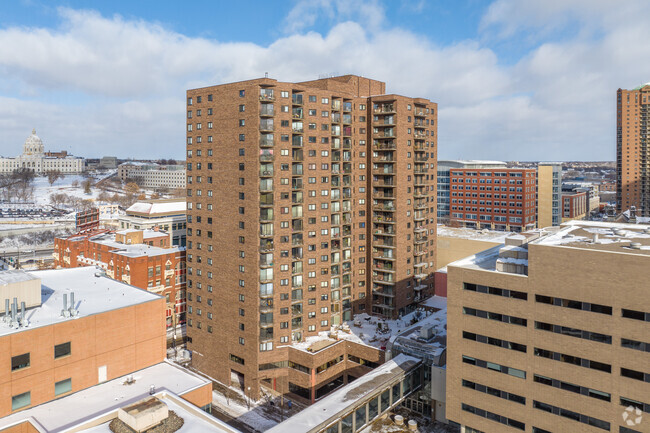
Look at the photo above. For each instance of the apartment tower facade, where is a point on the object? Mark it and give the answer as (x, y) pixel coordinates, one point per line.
(307, 203)
(632, 153)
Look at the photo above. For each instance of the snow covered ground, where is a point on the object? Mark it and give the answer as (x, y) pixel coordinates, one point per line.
(374, 331)
(43, 190)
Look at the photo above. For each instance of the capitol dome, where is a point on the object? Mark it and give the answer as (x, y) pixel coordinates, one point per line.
(33, 145)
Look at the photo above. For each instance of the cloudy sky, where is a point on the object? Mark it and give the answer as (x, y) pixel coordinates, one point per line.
(526, 80)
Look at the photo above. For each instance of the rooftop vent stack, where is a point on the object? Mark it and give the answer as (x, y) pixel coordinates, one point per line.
(595, 238)
(7, 310)
(64, 312)
(635, 245)
(14, 310)
(22, 313)
(72, 309)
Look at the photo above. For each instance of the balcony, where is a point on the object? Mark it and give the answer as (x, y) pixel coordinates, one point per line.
(388, 218)
(267, 110)
(266, 95)
(384, 108)
(296, 99)
(419, 229)
(419, 146)
(266, 245)
(387, 279)
(267, 140)
(266, 155)
(266, 125)
(419, 112)
(385, 207)
(385, 145)
(419, 136)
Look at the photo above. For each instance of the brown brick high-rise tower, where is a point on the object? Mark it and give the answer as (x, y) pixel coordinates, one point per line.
(632, 153)
(307, 202)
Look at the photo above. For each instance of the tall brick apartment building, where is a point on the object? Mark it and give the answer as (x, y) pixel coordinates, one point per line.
(142, 258)
(632, 153)
(494, 198)
(307, 202)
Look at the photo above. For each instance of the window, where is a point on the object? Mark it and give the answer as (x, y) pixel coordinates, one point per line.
(61, 350)
(21, 400)
(62, 387)
(242, 93)
(20, 361)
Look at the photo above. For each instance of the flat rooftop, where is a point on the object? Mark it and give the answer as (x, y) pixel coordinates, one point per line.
(154, 208)
(93, 295)
(135, 250)
(601, 236)
(91, 406)
(473, 234)
(347, 397)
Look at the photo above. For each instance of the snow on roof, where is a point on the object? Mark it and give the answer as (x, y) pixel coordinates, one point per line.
(93, 295)
(485, 260)
(468, 233)
(435, 302)
(135, 250)
(14, 276)
(194, 419)
(158, 207)
(100, 400)
(346, 398)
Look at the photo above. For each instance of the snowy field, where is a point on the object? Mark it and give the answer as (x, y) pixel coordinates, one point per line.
(43, 189)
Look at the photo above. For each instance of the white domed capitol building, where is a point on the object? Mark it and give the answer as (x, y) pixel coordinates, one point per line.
(36, 159)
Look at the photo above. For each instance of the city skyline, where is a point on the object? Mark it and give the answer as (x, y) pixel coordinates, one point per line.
(537, 81)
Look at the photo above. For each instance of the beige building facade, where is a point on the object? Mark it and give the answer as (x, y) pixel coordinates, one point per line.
(550, 333)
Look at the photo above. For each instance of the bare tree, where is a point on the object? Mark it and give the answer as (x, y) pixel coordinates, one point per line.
(53, 175)
(87, 185)
(132, 188)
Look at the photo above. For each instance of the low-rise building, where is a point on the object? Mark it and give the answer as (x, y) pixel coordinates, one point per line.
(76, 346)
(153, 176)
(168, 215)
(574, 205)
(142, 258)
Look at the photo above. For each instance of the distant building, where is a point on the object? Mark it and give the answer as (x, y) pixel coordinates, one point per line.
(591, 190)
(493, 198)
(108, 162)
(142, 258)
(153, 176)
(36, 159)
(549, 184)
(168, 215)
(574, 205)
(72, 338)
(549, 333)
(632, 154)
(444, 183)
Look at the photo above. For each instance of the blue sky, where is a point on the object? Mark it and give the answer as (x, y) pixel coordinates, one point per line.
(532, 80)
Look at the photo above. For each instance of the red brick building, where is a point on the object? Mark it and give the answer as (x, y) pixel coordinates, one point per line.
(574, 205)
(500, 199)
(142, 258)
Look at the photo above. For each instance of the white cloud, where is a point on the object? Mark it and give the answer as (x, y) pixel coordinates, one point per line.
(107, 85)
